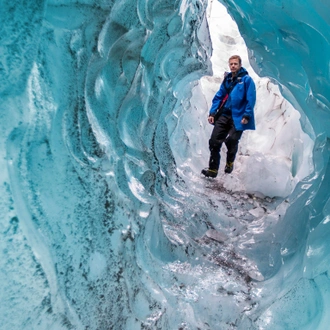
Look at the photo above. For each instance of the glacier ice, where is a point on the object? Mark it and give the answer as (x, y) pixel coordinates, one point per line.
(106, 223)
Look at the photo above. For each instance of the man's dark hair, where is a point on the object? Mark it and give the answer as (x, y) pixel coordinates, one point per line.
(236, 57)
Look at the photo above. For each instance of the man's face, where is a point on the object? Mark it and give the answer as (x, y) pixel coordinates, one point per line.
(234, 65)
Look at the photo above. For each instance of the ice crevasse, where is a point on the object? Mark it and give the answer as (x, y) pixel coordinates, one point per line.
(105, 221)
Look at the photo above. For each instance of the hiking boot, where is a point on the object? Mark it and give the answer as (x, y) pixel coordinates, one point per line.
(229, 167)
(209, 173)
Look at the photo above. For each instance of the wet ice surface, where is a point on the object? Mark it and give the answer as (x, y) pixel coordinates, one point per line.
(220, 276)
(221, 269)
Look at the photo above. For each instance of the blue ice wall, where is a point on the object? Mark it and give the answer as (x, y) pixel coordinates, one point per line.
(86, 88)
(99, 230)
(290, 42)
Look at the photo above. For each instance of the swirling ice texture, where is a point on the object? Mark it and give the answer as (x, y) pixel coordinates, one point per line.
(87, 89)
(99, 229)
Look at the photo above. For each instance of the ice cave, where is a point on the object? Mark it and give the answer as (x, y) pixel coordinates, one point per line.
(106, 221)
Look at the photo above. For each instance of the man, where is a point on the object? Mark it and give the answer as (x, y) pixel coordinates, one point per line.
(231, 114)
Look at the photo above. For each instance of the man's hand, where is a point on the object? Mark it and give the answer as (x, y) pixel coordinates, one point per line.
(244, 121)
(211, 120)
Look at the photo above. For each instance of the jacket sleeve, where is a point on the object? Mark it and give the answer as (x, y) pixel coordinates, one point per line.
(218, 97)
(250, 98)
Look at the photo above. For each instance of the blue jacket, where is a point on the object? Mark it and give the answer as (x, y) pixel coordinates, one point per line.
(241, 100)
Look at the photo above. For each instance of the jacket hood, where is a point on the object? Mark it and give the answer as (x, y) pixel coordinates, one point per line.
(241, 70)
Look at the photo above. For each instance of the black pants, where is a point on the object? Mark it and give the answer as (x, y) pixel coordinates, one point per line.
(223, 131)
